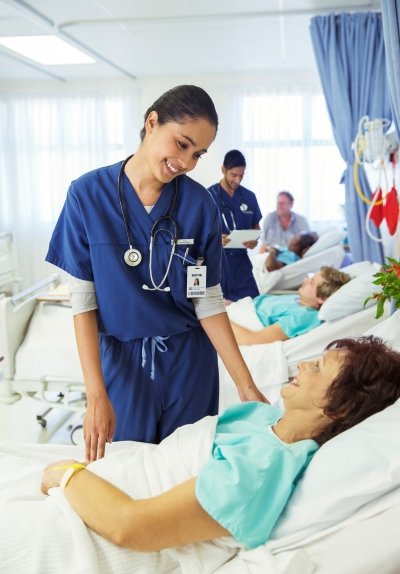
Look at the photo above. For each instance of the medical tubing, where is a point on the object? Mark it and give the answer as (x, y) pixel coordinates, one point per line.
(159, 286)
(357, 186)
(368, 218)
(121, 201)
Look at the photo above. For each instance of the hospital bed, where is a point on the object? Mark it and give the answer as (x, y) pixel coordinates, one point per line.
(38, 345)
(342, 517)
(327, 250)
(343, 315)
(41, 359)
(9, 279)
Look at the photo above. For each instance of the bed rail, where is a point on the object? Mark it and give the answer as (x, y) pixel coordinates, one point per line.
(15, 314)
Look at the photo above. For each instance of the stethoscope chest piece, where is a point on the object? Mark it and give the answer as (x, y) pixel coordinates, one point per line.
(132, 257)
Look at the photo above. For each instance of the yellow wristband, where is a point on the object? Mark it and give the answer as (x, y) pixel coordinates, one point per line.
(71, 469)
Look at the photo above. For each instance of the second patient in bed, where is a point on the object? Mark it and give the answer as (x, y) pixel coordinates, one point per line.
(257, 455)
(287, 316)
(298, 246)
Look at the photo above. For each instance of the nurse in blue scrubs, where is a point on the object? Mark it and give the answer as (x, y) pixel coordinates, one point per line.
(239, 210)
(141, 242)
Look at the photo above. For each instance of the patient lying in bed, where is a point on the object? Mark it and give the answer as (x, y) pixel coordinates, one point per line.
(285, 316)
(225, 483)
(299, 244)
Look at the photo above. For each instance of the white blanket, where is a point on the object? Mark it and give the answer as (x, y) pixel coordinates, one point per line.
(43, 534)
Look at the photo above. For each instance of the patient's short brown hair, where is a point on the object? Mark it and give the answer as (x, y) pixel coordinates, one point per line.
(368, 381)
(333, 280)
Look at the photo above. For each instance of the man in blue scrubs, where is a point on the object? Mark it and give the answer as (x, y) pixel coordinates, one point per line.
(239, 209)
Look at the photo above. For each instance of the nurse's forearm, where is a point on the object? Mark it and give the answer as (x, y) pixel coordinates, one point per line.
(219, 331)
(87, 338)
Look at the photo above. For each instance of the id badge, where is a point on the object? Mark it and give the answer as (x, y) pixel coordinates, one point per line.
(196, 281)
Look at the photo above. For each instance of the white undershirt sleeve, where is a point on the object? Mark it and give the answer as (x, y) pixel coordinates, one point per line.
(211, 304)
(82, 295)
(83, 298)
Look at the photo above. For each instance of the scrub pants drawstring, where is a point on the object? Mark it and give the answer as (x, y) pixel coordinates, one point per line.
(156, 343)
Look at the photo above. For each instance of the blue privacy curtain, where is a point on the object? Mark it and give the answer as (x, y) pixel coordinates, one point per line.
(350, 57)
(391, 34)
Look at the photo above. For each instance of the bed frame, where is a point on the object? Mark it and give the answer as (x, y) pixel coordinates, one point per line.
(9, 279)
(15, 315)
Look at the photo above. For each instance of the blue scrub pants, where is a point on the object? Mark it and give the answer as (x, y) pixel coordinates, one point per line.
(185, 386)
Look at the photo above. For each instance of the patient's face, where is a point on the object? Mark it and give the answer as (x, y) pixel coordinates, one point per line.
(308, 290)
(313, 379)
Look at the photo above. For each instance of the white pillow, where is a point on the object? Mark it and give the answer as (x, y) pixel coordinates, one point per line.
(328, 239)
(347, 472)
(349, 298)
(388, 330)
(266, 280)
(361, 267)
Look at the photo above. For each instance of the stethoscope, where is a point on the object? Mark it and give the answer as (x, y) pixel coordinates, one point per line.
(132, 256)
(243, 207)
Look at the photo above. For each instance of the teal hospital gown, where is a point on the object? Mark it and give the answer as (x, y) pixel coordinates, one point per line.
(251, 473)
(285, 310)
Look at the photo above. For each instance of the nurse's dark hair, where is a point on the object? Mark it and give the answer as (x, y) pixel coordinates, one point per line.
(183, 103)
(234, 158)
(368, 381)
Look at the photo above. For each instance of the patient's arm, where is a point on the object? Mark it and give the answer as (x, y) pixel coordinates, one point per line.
(267, 335)
(99, 421)
(174, 518)
(272, 262)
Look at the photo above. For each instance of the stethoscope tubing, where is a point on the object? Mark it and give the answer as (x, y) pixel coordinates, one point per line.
(133, 256)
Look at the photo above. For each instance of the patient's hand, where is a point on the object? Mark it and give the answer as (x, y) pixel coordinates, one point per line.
(53, 474)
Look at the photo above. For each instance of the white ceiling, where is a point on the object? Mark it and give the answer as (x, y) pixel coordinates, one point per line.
(147, 38)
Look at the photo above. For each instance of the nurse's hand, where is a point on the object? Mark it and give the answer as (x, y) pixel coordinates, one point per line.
(252, 394)
(98, 427)
(251, 244)
(225, 239)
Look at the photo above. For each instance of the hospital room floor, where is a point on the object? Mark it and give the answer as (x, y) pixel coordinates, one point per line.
(18, 423)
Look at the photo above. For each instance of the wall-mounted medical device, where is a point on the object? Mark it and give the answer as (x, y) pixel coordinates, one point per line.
(373, 144)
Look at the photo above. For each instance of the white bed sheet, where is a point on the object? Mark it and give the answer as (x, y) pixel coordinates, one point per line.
(49, 346)
(49, 349)
(55, 540)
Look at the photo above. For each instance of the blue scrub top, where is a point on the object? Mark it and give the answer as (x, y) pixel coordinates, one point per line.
(286, 311)
(241, 211)
(251, 473)
(89, 242)
(230, 208)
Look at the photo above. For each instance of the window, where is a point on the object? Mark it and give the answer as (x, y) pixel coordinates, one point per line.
(289, 145)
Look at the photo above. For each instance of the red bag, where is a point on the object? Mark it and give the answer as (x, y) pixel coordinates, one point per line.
(391, 210)
(377, 210)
